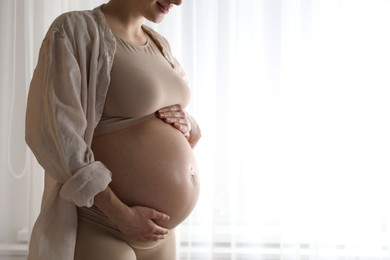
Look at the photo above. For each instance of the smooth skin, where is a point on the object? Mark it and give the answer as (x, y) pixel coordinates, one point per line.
(125, 18)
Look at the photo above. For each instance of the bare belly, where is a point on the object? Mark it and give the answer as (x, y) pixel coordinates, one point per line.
(152, 165)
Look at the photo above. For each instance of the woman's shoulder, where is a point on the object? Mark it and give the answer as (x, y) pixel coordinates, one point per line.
(74, 22)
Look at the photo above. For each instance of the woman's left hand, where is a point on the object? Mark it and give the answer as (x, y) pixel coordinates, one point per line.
(177, 117)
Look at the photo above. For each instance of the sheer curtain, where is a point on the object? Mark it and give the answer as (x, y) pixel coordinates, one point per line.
(292, 97)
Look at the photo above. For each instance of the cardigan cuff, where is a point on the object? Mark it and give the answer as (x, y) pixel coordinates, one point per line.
(88, 181)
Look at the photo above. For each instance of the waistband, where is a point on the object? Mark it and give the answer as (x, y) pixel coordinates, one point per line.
(96, 216)
(109, 124)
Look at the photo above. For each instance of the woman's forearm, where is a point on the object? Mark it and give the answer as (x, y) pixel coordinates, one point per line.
(109, 203)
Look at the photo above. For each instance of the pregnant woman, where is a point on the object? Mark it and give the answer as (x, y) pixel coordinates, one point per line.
(106, 120)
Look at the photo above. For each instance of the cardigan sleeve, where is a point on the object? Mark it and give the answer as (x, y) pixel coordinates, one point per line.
(56, 122)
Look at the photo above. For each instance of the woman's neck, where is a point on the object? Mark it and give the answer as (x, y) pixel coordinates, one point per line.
(124, 20)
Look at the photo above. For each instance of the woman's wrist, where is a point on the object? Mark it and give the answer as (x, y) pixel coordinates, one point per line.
(109, 204)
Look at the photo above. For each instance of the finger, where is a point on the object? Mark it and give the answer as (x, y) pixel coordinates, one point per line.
(156, 215)
(171, 120)
(170, 108)
(159, 231)
(172, 111)
(155, 237)
(180, 121)
(181, 128)
(171, 114)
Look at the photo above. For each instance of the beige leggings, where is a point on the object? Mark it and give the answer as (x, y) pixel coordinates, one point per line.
(98, 239)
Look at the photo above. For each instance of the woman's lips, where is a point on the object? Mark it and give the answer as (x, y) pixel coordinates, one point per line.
(164, 8)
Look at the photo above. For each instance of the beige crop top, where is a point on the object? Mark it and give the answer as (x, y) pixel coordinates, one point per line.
(142, 81)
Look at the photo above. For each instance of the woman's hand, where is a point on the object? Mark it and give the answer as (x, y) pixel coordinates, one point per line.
(182, 121)
(138, 224)
(135, 223)
(177, 117)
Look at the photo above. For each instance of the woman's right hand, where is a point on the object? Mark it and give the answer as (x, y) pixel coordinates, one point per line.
(135, 223)
(138, 224)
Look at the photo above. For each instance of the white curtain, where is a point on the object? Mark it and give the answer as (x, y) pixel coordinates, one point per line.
(293, 100)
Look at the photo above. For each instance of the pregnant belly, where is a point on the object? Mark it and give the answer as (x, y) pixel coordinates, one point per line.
(152, 165)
